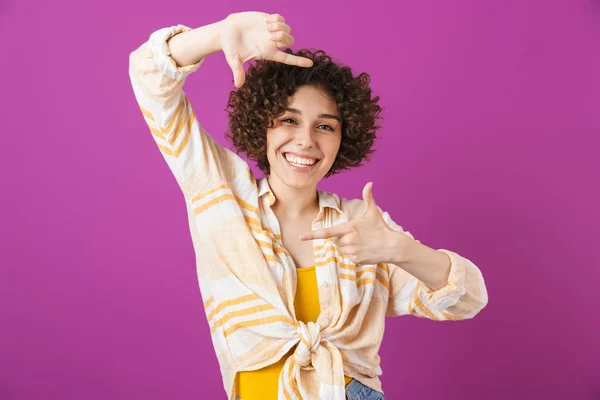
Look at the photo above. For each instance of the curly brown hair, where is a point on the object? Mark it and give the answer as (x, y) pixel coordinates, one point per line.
(254, 107)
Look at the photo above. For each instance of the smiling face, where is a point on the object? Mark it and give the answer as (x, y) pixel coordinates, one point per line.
(304, 141)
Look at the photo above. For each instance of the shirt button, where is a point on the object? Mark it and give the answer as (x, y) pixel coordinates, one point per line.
(326, 284)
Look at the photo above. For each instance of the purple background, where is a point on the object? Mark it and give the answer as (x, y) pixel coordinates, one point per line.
(489, 148)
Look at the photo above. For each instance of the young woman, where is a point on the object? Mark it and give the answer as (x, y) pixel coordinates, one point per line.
(296, 282)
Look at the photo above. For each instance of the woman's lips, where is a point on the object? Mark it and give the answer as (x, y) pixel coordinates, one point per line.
(304, 168)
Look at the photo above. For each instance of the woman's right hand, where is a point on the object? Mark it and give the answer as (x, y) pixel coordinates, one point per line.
(253, 36)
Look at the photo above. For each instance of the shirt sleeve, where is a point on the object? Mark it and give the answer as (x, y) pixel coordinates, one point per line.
(462, 298)
(196, 160)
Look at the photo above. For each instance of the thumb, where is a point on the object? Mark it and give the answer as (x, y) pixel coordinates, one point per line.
(237, 67)
(368, 198)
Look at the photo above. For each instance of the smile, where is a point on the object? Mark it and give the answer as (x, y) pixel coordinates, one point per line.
(300, 164)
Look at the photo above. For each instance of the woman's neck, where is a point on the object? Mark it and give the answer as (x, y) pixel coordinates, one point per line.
(293, 203)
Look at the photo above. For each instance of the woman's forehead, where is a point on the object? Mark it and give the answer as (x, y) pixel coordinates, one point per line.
(309, 99)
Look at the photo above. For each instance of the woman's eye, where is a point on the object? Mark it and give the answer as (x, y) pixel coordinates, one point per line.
(291, 121)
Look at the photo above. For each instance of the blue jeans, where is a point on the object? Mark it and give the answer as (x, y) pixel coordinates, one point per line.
(357, 391)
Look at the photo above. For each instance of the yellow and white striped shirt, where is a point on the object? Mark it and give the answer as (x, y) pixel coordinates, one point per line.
(248, 279)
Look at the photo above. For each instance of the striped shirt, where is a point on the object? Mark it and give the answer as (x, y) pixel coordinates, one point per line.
(248, 279)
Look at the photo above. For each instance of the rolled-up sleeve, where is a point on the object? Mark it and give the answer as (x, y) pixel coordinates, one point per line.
(463, 297)
(197, 161)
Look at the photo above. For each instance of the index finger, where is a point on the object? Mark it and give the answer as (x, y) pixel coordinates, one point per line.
(325, 233)
(290, 59)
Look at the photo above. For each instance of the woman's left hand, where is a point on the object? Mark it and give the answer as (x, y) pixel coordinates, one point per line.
(367, 239)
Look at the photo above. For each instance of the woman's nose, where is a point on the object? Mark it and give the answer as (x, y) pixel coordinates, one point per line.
(304, 138)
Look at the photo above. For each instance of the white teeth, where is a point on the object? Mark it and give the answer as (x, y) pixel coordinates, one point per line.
(301, 162)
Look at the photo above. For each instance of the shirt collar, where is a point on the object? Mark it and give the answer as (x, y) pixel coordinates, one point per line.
(326, 199)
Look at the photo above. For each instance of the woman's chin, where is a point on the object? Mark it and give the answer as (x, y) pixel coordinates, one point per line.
(299, 181)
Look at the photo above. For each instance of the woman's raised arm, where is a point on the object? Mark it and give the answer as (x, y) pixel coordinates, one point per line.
(158, 69)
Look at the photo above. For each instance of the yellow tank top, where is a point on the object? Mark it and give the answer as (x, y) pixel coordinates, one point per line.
(263, 384)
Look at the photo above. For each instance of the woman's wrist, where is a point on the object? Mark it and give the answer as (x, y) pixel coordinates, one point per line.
(190, 47)
(399, 247)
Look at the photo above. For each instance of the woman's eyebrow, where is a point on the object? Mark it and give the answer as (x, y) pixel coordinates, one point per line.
(296, 111)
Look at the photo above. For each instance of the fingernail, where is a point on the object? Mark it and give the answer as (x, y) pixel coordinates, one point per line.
(272, 35)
